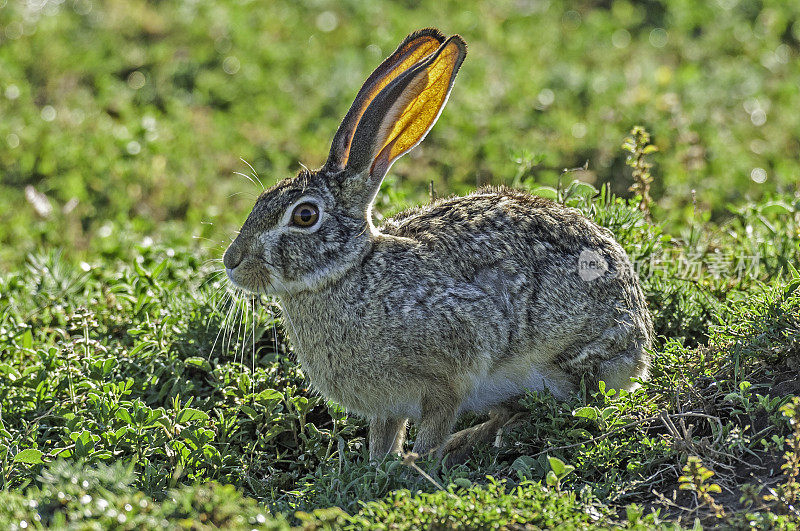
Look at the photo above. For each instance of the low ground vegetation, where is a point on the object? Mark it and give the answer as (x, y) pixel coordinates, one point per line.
(151, 381)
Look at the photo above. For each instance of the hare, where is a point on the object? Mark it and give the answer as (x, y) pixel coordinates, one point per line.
(459, 305)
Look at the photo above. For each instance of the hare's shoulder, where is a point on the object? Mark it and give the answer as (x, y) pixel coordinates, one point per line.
(495, 215)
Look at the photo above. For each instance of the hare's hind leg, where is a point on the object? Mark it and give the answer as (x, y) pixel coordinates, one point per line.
(460, 444)
(386, 436)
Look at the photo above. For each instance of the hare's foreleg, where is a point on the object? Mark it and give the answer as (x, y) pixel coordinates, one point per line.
(386, 436)
(439, 415)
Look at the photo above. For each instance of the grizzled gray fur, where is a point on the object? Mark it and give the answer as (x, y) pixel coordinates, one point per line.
(460, 305)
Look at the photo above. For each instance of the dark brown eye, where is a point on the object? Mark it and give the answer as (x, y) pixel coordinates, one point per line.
(305, 214)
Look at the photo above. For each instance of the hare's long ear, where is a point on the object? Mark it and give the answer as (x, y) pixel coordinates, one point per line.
(412, 50)
(402, 113)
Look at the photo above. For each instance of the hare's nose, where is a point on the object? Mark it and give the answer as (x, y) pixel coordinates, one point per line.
(233, 256)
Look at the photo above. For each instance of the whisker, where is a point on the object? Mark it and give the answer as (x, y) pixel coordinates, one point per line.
(242, 314)
(246, 177)
(286, 314)
(221, 329)
(253, 357)
(217, 303)
(215, 292)
(234, 194)
(208, 239)
(255, 173)
(216, 289)
(229, 325)
(236, 317)
(275, 336)
(215, 271)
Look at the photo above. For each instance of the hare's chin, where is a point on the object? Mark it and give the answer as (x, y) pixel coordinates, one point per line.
(261, 288)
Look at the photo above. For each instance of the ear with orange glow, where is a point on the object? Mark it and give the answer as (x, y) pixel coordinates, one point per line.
(405, 110)
(411, 51)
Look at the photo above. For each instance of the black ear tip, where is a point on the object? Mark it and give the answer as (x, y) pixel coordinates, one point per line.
(460, 42)
(427, 32)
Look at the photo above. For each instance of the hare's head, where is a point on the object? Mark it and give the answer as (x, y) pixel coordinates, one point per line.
(308, 230)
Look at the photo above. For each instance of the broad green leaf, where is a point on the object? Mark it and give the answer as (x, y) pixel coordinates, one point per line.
(268, 394)
(159, 269)
(30, 456)
(546, 191)
(777, 208)
(556, 464)
(582, 189)
(109, 365)
(27, 339)
(124, 415)
(190, 414)
(587, 412)
(250, 412)
(608, 411)
(200, 363)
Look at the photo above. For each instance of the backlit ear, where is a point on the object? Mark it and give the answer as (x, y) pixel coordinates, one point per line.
(403, 112)
(411, 51)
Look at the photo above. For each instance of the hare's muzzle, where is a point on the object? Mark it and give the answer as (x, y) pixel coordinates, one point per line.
(232, 257)
(244, 269)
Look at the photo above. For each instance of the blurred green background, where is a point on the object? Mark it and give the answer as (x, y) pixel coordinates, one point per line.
(126, 120)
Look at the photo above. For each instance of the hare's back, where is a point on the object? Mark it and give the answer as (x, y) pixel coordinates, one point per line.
(498, 223)
(527, 254)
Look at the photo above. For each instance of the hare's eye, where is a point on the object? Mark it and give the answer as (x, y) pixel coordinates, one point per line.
(305, 215)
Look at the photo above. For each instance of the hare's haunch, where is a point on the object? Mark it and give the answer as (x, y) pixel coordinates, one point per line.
(460, 305)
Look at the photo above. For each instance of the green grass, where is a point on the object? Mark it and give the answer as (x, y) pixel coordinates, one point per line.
(135, 393)
(119, 364)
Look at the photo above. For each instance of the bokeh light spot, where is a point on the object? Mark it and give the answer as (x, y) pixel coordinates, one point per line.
(14, 30)
(621, 38)
(133, 147)
(12, 92)
(231, 65)
(82, 7)
(48, 113)
(136, 80)
(546, 97)
(759, 175)
(327, 21)
(659, 37)
(758, 117)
